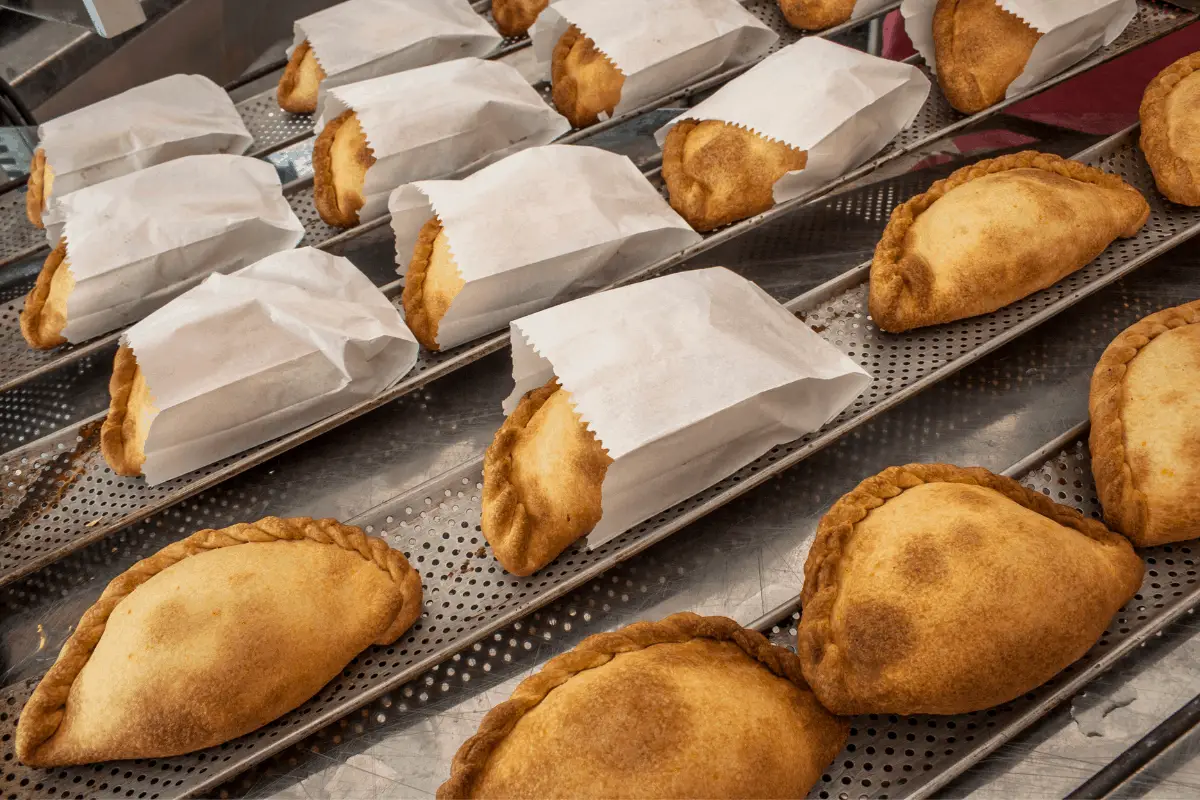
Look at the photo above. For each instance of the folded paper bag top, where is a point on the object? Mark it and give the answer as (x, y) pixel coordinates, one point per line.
(361, 39)
(684, 379)
(437, 121)
(586, 219)
(176, 116)
(245, 358)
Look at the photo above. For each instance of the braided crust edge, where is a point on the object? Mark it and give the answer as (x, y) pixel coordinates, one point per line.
(291, 76)
(35, 194)
(44, 710)
(1172, 175)
(416, 314)
(324, 193)
(515, 17)
(35, 301)
(887, 284)
(112, 432)
(816, 15)
(596, 651)
(821, 569)
(1125, 506)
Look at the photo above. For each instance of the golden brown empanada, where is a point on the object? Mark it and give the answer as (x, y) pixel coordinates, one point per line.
(717, 173)
(341, 158)
(1145, 440)
(130, 412)
(686, 707)
(214, 636)
(301, 80)
(541, 481)
(980, 49)
(584, 82)
(933, 589)
(44, 317)
(41, 184)
(515, 17)
(432, 283)
(993, 233)
(1170, 115)
(816, 15)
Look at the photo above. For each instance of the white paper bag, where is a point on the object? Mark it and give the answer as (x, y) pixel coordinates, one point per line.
(136, 241)
(1071, 30)
(176, 116)
(440, 121)
(244, 358)
(660, 46)
(684, 380)
(362, 39)
(537, 229)
(842, 107)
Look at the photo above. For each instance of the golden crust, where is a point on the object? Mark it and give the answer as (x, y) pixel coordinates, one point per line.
(813, 740)
(44, 714)
(542, 477)
(38, 189)
(901, 285)
(1126, 506)
(301, 81)
(515, 17)
(981, 49)
(585, 82)
(887, 657)
(44, 316)
(428, 291)
(717, 173)
(342, 143)
(1176, 177)
(816, 15)
(122, 436)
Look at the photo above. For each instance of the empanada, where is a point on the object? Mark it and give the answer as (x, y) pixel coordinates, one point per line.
(341, 158)
(686, 707)
(44, 317)
(993, 233)
(130, 412)
(933, 589)
(515, 17)
(980, 49)
(585, 83)
(301, 80)
(1145, 439)
(717, 173)
(1170, 115)
(432, 283)
(816, 15)
(41, 185)
(542, 476)
(214, 636)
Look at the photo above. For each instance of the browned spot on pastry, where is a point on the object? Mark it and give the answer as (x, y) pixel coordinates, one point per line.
(921, 561)
(877, 633)
(981, 49)
(301, 81)
(967, 536)
(341, 158)
(816, 15)
(514, 17)
(585, 82)
(1172, 397)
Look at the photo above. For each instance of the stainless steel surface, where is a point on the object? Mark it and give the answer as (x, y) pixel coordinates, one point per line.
(108, 18)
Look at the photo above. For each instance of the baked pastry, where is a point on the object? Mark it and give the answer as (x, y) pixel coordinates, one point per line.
(38, 191)
(214, 636)
(341, 158)
(993, 233)
(301, 80)
(1145, 439)
(130, 412)
(515, 17)
(816, 15)
(432, 283)
(717, 173)
(585, 83)
(44, 317)
(980, 49)
(541, 481)
(686, 707)
(1170, 115)
(933, 589)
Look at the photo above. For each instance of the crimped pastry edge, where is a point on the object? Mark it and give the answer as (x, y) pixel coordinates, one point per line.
(1172, 174)
(887, 281)
(1125, 506)
(821, 586)
(558, 71)
(324, 192)
(596, 651)
(112, 432)
(291, 76)
(35, 194)
(35, 301)
(416, 316)
(44, 710)
(816, 15)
